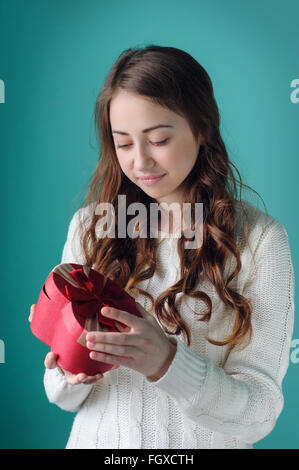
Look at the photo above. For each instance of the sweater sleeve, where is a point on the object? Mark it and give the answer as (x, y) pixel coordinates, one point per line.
(244, 398)
(58, 390)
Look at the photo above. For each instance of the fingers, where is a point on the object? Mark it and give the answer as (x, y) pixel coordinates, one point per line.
(120, 315)
(50, 360)
(120, 340)
(111, 349)
(121, 328)
(32, 308)
(73, 379)
(83, 378)
(91, 379)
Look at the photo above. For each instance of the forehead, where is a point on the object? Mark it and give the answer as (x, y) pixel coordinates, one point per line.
(128, 109)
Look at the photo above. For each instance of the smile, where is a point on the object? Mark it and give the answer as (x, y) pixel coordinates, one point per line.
(150, 181)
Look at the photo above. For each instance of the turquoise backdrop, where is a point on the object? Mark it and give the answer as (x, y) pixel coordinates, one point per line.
(54, 57)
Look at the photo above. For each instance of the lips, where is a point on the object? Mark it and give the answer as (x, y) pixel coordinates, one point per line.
(149, 181)
(151, 177)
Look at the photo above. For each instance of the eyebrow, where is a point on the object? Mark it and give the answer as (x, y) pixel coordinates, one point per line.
(114, 131)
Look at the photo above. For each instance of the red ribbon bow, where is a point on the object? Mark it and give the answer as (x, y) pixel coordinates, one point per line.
(90, 298)
(71, 295)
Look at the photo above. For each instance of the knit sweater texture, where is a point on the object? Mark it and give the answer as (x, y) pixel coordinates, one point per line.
(210, 397)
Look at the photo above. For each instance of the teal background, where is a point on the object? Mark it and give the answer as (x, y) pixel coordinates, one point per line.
(54, 57)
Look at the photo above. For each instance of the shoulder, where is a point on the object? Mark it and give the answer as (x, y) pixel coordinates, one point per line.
(78, 224)
(81, 218)
(259, 222)
(265, 232)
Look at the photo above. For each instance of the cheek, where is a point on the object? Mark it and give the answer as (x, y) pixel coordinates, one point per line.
(186, 155)
(123, 163)
(170, 158)
(179, 158)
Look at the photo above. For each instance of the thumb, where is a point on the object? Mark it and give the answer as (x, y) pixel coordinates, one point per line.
(50, 360)
(32, 308)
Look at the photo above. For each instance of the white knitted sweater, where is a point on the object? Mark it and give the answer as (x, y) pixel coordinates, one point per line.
(205, 400)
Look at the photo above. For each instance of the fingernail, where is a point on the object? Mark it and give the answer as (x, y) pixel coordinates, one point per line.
(90, 337)
(106, 311)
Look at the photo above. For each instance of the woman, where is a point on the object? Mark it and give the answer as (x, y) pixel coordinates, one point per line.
(203, 367)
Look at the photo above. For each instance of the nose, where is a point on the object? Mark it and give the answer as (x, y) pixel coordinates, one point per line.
(142, 160)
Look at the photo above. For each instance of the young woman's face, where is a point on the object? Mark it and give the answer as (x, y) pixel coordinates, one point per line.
(170, 151)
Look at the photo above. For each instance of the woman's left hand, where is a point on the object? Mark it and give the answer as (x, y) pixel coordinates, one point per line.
(142, 346)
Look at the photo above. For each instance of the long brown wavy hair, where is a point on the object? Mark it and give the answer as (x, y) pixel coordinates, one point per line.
(174, 79)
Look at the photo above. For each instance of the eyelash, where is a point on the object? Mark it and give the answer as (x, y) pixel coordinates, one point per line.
(155, 143)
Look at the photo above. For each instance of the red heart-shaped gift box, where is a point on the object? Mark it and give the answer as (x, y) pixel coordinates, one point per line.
(69, 305)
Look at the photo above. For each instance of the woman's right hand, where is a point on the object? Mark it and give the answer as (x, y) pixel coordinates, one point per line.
(73, 379)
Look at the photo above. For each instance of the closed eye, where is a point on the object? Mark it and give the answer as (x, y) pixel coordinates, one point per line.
(154, 143)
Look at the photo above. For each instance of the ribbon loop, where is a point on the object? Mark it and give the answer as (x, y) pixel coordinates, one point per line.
(81, 278)
(88, 294)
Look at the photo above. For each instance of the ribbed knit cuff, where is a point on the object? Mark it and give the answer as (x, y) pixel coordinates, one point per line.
(186, 374)
(55, 376)
(55, 372)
